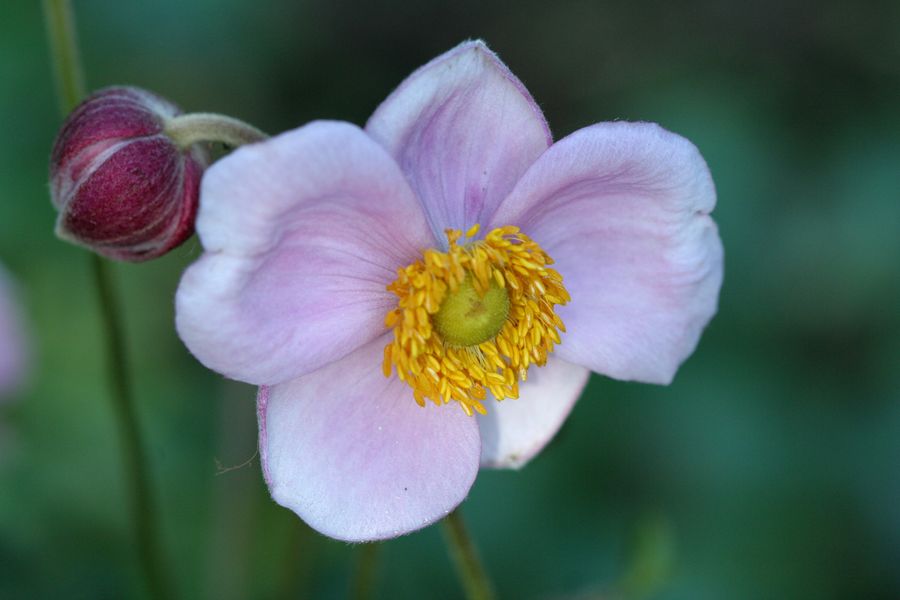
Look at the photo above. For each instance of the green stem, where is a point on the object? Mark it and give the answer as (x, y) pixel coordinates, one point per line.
(471, 572)
(143, 509)
(64, 48)
(366, 569)
(192, 128)
(60, 23)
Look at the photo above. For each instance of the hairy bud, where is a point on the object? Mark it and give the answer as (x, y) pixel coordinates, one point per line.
(122, 187)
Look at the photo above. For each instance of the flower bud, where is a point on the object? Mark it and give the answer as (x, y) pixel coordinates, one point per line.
(122, 187)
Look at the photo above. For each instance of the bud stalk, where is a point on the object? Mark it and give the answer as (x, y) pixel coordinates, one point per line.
(186, 130)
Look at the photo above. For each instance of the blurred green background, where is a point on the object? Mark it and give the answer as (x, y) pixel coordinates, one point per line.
(770, 468)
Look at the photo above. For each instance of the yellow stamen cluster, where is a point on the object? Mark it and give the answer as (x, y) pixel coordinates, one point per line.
(440, 371)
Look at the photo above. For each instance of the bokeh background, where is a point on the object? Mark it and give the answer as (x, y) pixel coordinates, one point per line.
(770, 468)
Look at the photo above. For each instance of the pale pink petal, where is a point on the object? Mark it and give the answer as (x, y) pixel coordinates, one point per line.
(13, 341)
(514, 431)
(302, 233)
(463, 129)
(624, 209)
(352, 454)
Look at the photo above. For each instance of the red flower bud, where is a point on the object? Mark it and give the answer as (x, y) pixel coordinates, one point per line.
(121, 186)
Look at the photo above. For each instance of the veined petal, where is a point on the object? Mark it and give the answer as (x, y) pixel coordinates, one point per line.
(624, 208)
(463, 129)
(514, 431)
(302, 233)
(355, 457)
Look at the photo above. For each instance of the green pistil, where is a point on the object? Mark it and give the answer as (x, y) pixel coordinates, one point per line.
(467, 318)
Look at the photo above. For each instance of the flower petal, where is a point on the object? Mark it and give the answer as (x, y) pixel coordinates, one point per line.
(463, 129)
(302, 234)
(352, 454)
(514, 431)
(624, 208)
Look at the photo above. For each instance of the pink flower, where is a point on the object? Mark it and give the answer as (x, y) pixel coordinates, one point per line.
(13, 347)
(336, 256)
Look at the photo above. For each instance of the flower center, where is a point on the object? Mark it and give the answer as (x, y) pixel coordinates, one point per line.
(471, 320)
(467, 317)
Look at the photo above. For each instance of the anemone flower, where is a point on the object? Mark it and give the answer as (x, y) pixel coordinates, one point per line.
(384, 286)
(13, 351)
